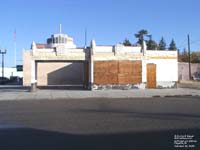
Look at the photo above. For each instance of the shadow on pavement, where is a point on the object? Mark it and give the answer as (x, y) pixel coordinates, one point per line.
(64, 87)
(34, 139)
(20, 88)
(14, 88)
(149, 115)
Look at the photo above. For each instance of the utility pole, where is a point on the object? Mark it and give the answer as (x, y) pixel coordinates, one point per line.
(15, 49)
(2, 51)
(189, 61)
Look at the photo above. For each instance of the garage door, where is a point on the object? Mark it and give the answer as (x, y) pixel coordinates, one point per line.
(60, 73)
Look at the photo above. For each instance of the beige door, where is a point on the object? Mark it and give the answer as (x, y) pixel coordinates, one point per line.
(151, 76)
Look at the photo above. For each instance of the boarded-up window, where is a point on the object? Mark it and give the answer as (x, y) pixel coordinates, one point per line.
(105, 72)
(117, 72)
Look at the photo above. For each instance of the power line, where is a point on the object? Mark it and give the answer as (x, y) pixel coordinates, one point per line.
(183, 44)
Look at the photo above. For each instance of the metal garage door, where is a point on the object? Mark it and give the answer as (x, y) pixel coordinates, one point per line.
(60, 73)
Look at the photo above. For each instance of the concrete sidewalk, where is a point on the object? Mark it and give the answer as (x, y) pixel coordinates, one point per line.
(21, 93)
(189, 84)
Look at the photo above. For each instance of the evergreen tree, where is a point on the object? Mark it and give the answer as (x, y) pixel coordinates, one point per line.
(162, 44)
(140, 36)
(126, 42)
(172, 45)
(151, 45)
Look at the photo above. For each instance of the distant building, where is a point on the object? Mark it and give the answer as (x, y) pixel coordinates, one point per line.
(11, 72)
(60, 62)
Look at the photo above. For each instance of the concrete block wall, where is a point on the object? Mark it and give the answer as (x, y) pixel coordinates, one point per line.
(183, 70)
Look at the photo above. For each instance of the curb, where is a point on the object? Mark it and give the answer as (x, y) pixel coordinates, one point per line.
(82, 98)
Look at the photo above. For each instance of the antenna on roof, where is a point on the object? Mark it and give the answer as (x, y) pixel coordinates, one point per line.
(60, 28)
(85, 37)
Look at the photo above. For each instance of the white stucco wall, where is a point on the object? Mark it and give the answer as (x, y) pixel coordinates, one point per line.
(121, 49)
(166, 65)
(166, 61)
(161, 53)
(117, 49)
(166, 69)
(103, 49)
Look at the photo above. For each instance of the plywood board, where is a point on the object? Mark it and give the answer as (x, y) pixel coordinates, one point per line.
(117, 72)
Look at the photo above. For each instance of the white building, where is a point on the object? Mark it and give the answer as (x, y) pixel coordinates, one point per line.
(60, 62)
(10, 72)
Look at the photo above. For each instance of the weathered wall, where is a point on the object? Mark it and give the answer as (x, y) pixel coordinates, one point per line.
(166, 66)
(183, 70)
(109, 65)
(117, 72)
(60, 73)
(27, 68)
(60, 54)
(117, 49)
(166, 69)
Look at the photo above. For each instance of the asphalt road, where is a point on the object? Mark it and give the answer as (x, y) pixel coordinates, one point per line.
(99, 124)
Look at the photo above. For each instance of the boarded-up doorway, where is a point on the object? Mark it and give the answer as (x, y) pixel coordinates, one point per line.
(117, 72)
(151, 76)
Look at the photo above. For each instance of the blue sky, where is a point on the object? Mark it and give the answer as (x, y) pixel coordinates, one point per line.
(107, 21)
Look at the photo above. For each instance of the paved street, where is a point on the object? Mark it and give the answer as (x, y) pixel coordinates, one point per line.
(97, 123)
(11, 92)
